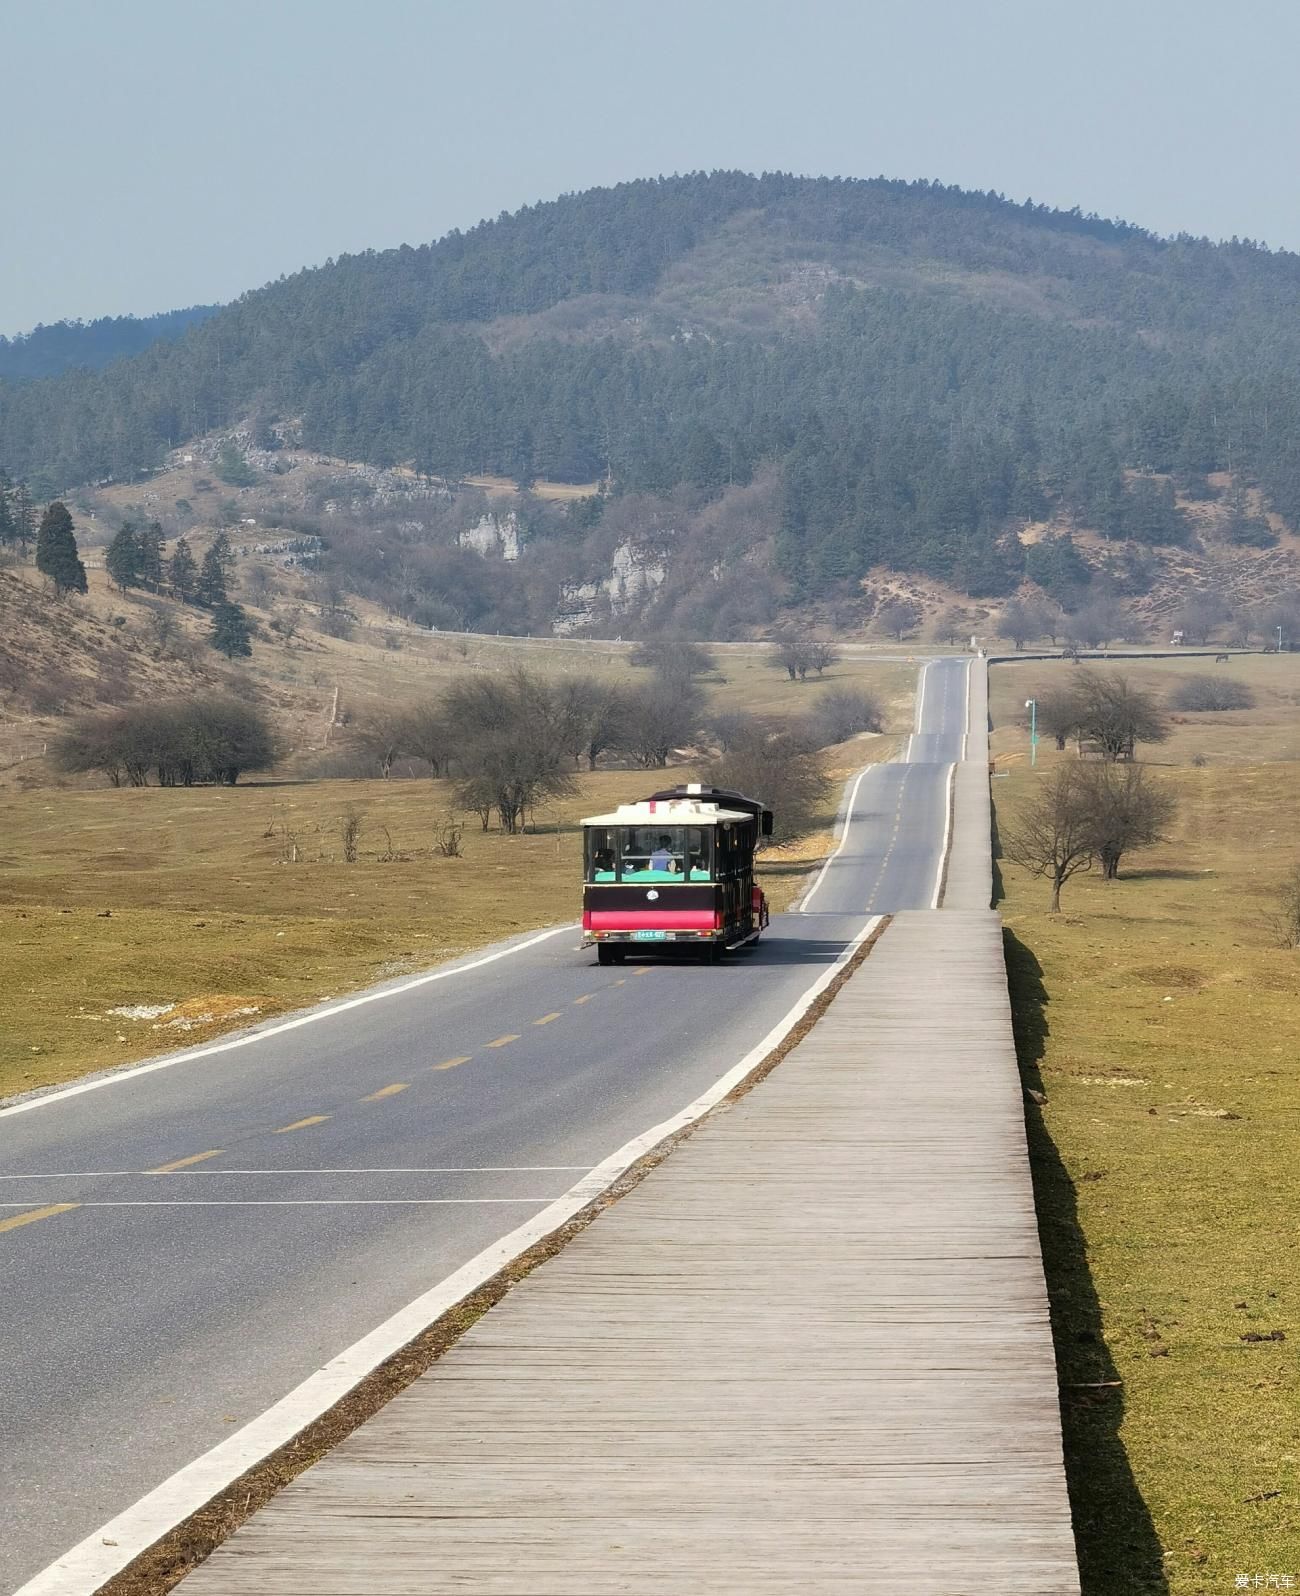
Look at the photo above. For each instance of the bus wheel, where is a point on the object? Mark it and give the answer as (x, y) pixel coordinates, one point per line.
(607, 955)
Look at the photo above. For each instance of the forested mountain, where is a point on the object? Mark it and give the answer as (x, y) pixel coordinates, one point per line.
(916, 371)
(69, 345)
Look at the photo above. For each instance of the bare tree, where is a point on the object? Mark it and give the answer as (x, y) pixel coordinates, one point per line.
(783, 769)
(1096, 623)
(1117, 715)
(792, 652)
(1285, 924)
(674, 656)
(1052, 835)
(1212, 693)
(844, 712)
(1200, 614)
(897, 617)
(592, 716)
(950, 626)
(658, 718)
(1126, 810)
(1016, 623)
(350, 835)
(1046, 617)
(822, 654)
(1060, 711)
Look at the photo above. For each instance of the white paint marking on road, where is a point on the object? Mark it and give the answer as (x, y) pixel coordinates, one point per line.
(291, 1202)
(394, 1169)
(848, 826)
(965, 736)
(920, 710)
(83, 1569)
(278, 1030)
(949, 784)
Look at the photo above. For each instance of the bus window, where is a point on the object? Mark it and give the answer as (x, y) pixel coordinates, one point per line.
(600, 854)
(665, 853)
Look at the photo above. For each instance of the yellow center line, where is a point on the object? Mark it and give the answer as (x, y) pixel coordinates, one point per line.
(585, 998)
(644, 970)
(451, 1063)
(387, 1091)
(547, 1018)
(37, 1213)
(184, 1163)
(302, 1124)
(510, 1036)
(622, 981)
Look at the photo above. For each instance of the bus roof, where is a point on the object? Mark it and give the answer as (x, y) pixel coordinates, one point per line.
(669, 812)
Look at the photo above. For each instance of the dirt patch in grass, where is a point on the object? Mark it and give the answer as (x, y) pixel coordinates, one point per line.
(1168, 1207)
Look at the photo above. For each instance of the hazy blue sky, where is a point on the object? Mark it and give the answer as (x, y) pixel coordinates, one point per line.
(160, 154)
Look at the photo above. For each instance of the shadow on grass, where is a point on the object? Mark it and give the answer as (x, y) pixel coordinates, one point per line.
(1162, 874)
(1119, 1554)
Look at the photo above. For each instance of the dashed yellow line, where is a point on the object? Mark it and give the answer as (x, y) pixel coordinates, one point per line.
(34, 1214)
(451, 1063)
(387, 1091)
(585, 998)
(184, 1163)
(302, 1124)
(547, 1018)
(510, 1036)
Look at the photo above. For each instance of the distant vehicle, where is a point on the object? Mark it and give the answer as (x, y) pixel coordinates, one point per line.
(676, 869)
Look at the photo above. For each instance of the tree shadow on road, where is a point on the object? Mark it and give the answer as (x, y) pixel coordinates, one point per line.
(1119, 1552)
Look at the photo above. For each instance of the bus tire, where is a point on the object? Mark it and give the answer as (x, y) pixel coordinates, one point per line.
(607, 955)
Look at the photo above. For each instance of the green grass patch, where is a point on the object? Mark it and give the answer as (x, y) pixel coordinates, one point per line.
(1161, 1022)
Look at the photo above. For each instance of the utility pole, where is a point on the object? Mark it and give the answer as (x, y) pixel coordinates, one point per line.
(1031, 704)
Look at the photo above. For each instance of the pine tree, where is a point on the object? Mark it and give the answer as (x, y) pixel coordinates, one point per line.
(123, 557)
(182, 572)
(56, 551)
(211, 589)
(8, 526)
(150, 542)
(230, 634)
(24, 513)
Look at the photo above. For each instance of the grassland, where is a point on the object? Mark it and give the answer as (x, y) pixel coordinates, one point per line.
(1160, 1019)
(132, 898)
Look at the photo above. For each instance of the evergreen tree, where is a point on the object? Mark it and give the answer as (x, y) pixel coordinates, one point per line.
(8, 526)
(230, 634)
(211, 589)
(24, 514)
(182, 572)
(150, 540)
(123, 557)
(56, 551)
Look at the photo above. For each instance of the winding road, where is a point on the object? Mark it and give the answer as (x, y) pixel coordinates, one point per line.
(184, 1242)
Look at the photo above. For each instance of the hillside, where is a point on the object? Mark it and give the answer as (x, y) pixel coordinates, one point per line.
(47, 351)
(785, 387)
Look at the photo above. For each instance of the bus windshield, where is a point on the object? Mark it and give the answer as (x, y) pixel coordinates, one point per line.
(649, 853)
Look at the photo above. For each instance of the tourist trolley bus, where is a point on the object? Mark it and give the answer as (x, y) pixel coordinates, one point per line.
(675, 869)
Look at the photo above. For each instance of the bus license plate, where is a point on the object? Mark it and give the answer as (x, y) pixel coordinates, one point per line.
(649, 936)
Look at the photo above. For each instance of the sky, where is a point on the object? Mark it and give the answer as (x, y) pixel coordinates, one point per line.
(161, 153)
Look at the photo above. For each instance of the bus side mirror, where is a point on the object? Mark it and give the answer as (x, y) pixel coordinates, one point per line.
(767, 822)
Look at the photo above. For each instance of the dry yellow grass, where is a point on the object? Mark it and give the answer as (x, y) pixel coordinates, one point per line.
(1160, 1019)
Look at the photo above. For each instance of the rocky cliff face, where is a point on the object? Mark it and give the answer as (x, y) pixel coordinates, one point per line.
(493, 535)
(635, 572)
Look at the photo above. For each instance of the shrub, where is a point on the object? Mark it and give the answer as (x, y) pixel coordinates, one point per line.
(1211, 693)
(180, 741)
(844, 712)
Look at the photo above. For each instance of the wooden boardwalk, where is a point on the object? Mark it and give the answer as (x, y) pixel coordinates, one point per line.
(808, 1354)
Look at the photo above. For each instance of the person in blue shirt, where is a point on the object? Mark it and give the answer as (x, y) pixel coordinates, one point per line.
(661, 858)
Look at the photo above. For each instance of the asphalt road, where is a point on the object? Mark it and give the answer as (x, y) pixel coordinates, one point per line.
(180, 1248)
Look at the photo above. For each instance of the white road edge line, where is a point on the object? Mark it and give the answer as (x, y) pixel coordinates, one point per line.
(250, 1037)
(949, 784)
(82, 1570)
(295, 1202)
(396, 1169)
(948, 804)
(965, 736)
